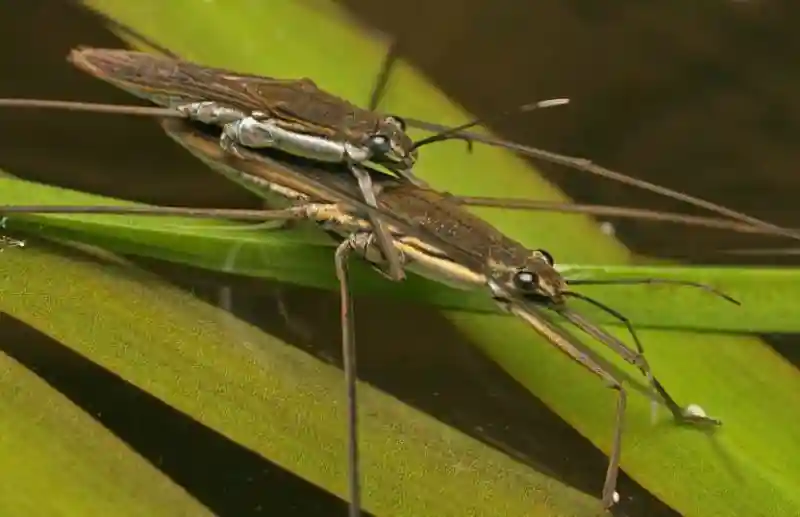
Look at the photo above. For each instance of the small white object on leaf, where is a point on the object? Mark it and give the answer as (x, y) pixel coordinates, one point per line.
(695, 410)
(608, 228)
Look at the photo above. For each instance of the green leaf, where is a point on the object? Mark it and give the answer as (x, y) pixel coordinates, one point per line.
(262, 393)
(742, 470)
(53, 451)
(769, 297)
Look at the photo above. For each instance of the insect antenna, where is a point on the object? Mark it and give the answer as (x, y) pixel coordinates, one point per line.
(655, 281)
(453, 132)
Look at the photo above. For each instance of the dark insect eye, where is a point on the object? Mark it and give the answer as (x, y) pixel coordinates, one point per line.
(525, 280)
(397, 120)
(546, 256)
(380, 144)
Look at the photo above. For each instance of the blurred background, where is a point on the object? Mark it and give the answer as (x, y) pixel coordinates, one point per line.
(699, 97)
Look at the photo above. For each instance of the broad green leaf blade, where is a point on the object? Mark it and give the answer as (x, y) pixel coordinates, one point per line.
(263, 394)
(769, 297)
(58, 460)
(284, 38)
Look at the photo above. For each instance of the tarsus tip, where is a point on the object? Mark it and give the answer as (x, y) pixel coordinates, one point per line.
(549, 103)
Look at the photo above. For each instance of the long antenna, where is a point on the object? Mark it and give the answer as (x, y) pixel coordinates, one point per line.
(451, 132)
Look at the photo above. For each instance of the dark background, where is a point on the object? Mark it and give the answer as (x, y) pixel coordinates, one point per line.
(700, 97)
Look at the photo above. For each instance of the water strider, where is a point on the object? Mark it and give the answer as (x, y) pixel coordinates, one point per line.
(435, 237)
(292, 116)
(420, 227)
(297, 117)
(323, 114)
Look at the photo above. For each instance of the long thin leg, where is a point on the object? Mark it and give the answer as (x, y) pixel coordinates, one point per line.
(592, 168)
(306, 211)
(350, 375)
(383, 76)
(680, 414)
(378, 90)
(567, 344)
(639, 359)
(363, 242)
(394, 270)
(611, 211)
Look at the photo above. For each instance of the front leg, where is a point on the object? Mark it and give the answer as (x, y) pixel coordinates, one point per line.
(252, 133)
(270, 133)
(248, 131)
(210, 112)
(383, 238)
(367, 246)
(229, 139)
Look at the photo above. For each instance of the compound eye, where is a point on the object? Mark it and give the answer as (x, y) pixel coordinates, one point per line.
(546, 256)
(394, 119)
(525, 280)
(379, 144)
